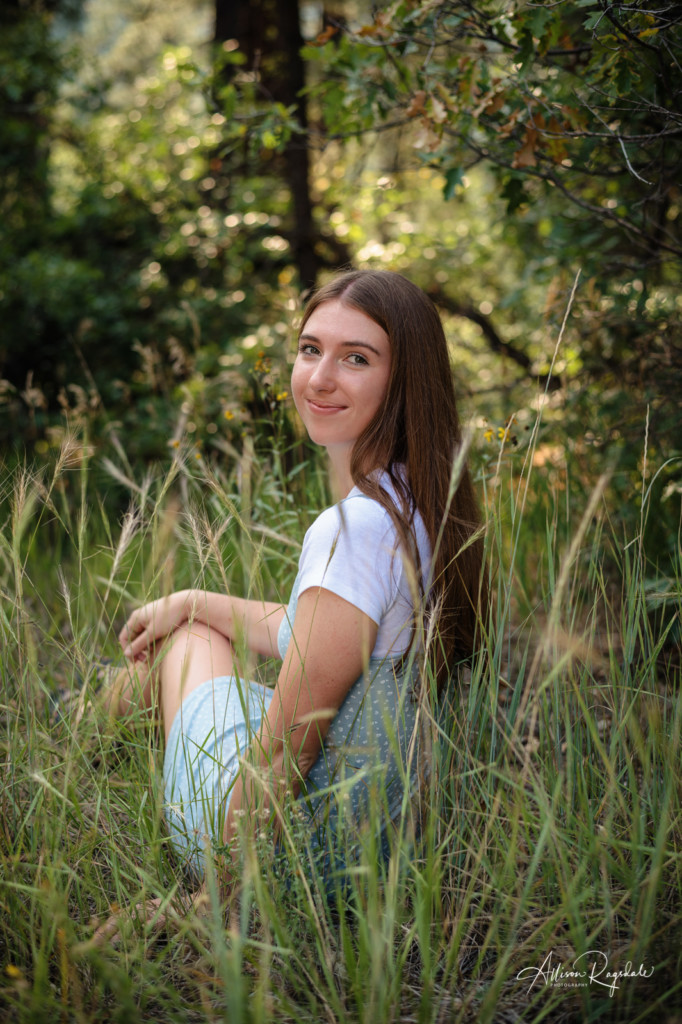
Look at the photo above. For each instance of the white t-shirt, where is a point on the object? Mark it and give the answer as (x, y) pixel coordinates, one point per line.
(352, 550)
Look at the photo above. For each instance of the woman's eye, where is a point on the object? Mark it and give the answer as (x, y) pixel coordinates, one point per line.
(357, 360)
(307, 349)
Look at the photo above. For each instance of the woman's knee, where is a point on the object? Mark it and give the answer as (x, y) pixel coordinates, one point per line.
(197, 642)
(194, 633)
(195, 654)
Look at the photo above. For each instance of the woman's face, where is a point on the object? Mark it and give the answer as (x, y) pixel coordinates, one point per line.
(340, 376)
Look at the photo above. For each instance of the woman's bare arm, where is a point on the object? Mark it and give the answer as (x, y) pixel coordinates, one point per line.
(255, 622)
(331, 643)
(239, 618)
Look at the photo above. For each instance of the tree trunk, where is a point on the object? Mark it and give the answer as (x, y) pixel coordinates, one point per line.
(269, 35)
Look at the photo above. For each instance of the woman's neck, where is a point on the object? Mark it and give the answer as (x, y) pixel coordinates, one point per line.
(339, 471)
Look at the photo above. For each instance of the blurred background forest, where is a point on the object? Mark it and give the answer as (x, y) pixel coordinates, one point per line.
(174, 175)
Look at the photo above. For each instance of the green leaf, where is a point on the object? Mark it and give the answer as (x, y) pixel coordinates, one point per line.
(593, 20)
(453, 178)
(526, 49)
(515, 194)
(537, 20)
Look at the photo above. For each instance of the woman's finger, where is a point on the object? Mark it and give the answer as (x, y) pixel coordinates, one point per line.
(136, 625)
(128, 632)
(135, 648)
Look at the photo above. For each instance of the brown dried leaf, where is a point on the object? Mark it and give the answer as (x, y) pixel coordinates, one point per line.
(439, 111)
(326, 35)
(525, 156)
(416, 105)
(496, 103)
(426, 138)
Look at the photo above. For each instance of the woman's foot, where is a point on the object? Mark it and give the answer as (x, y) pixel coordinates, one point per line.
(70, 701)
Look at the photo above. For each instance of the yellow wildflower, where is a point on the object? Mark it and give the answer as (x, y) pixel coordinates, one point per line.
(263, 363)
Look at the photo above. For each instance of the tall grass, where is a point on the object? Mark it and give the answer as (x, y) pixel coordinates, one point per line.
(549, 823)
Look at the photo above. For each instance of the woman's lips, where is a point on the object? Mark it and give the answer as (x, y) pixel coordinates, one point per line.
(322, 409)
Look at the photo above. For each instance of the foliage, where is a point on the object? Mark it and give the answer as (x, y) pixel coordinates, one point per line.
(150, 261)
(569, 103)
(573, 111)
(32, 67)
(551, 819)
(148, 284)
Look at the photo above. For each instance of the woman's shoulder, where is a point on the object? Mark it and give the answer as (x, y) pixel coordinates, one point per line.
(356, 515)
(350, 549)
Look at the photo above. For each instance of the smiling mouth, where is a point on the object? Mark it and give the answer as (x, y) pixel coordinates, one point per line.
(320, 407)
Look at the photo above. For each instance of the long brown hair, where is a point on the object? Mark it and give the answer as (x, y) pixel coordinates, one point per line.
(415, 437)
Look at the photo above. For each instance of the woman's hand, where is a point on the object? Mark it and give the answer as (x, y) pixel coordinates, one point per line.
(154, 621)
(256, 622)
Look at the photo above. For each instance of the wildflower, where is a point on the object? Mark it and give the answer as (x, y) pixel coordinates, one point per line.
(500, 433)
(488, 434)
(228, 414)
(175, 443)
(12, 971)
(281, 396)
(262, 364)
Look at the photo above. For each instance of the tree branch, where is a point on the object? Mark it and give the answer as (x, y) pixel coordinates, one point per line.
(495, 342)
(604, 214)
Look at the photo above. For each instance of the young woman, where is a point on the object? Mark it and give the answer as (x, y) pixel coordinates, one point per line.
(399, 557)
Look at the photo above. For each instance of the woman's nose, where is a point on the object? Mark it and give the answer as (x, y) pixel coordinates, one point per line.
(323, 377)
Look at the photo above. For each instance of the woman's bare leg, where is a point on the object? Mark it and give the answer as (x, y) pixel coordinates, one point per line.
(189, 657)
(197, 653)
(134, 687)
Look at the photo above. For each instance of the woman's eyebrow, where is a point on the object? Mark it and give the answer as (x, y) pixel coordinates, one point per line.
(345, 344)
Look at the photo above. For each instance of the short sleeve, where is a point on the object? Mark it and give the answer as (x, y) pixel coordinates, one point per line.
(350, 550)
